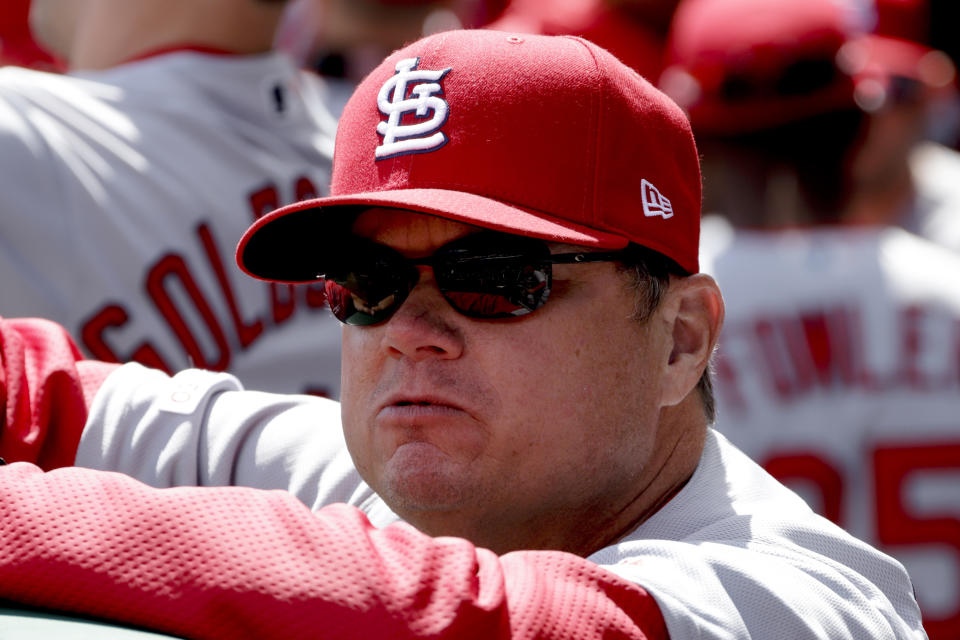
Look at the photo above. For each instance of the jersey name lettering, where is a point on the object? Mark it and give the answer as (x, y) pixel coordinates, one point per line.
(823, 349)
(207, 339)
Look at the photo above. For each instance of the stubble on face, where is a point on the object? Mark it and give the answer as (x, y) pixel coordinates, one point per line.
(425, 446)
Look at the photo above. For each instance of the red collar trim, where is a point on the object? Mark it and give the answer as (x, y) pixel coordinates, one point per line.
(177, 48)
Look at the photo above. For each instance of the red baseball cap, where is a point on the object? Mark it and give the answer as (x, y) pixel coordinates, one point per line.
(744, 65)
(543, 136)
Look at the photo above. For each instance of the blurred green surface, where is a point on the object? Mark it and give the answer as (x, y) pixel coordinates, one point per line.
(32, 624)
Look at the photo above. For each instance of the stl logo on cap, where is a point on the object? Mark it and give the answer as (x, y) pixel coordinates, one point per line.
(411, 91)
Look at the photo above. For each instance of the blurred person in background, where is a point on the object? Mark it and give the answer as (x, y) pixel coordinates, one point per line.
(943, 37)
(904, 173)
(343, 40)
(128, 181)
(839, 362)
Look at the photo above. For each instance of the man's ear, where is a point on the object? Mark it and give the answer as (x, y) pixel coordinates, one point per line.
(693, 308)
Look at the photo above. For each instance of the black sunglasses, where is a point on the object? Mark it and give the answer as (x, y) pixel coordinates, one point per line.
(483, 275)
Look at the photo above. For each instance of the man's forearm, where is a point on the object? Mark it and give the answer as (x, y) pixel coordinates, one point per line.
(242, 563)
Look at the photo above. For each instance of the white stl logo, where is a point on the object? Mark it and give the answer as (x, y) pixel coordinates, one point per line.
(423, 87)
(654, 202)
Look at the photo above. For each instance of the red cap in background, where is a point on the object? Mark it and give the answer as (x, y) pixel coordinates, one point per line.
(742, 65)
(545, 136)
(746, 65)
(898, 51)
(888, 68)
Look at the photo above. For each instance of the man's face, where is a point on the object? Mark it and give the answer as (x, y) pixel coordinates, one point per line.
(512, 433)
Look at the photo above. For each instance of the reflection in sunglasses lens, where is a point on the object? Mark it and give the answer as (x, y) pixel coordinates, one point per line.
(483, 305)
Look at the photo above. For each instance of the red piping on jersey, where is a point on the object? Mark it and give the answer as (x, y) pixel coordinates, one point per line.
(177, 48)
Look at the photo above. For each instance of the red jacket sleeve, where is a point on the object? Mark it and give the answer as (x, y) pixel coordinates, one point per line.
(238, 563)
(46, 387)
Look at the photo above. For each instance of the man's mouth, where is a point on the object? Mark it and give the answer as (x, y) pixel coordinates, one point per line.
(406, 407)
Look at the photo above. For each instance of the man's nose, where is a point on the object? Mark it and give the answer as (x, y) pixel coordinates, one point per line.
(425, 325)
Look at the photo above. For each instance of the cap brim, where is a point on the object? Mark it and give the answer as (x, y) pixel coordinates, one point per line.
(287, 245)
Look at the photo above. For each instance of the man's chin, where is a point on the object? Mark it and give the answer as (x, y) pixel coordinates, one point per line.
(421, 479)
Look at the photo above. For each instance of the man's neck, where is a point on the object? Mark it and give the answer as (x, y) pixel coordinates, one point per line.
(884, 201)
(114, 32)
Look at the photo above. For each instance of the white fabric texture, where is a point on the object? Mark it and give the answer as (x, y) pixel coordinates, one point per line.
(125, 192)
(733, 555)
(935, 208)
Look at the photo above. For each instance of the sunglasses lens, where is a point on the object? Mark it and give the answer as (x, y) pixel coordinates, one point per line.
(350, 307)
(486, 275)
(368, 284)
(494, 276)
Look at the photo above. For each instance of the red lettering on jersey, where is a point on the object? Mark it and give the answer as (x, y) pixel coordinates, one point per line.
(246, 333)
(798, 354)
(911, 320)
(765, 333)
(264, 200)
(863, 375)
(173, 267)
(823, 347)
(828, 335)
(811, 468)
(282, 301)
(315, 296)
(92, 334)
(304, 189)
(893, 467)
(817, 337)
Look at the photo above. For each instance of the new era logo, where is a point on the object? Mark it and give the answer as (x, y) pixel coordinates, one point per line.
(654, 202)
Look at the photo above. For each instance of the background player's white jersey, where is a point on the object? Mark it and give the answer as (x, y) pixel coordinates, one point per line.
(123, 195)
(935, 207)
(839, 371)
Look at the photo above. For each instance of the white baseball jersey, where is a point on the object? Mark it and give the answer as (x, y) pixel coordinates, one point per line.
(839, 371)
(125, 191)
(733, 555)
